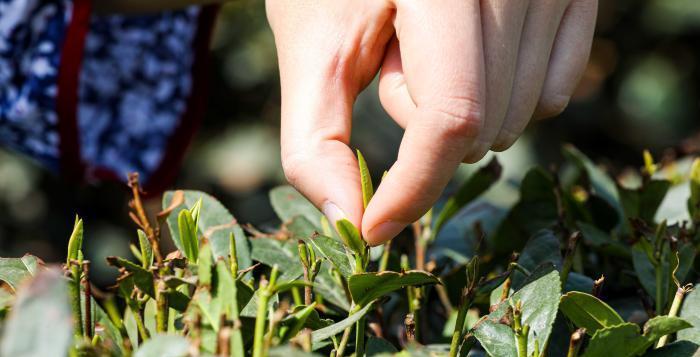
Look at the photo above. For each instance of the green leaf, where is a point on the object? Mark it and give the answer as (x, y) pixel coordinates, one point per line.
(602, 240)
(366, 287)
(251, 308)
(622, 340)
(289, 203)
(338, 327)
(75, 242)
(327, 286)
(219, 299)
(660, 326)
(140, 277)
(351, 236)
(146, 249)
(676, 349)
(376, 345)
(283, 253)
(541, 248)
(215, 224)
(587, 311)
(540, 302)
(294, 322)
(690, 311)
(472, 188)
(694, 199)
(164, 346)
(290, 351)
(188, 235)
(601, 184)
(365, 179)
(334, 252)
(497, 339)
(14, 271)
(40, 323)
(204, 264)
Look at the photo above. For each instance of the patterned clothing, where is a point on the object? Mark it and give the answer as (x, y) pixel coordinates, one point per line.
(99, 96)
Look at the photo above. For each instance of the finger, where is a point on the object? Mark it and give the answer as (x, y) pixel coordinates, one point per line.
(442, 59)
(569, 57)
(393, 91)
(502, 24)
(541, 24)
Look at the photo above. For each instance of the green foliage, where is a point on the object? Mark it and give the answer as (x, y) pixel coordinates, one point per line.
(315, 290)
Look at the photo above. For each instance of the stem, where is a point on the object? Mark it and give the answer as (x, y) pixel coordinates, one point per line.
(343, 342)
(223, 338)
(237, 347)
(521, 332)
(266, 289)
(464, 304)
(88, 301)
(385, 257)
(75, 298)
(410, 325)
(360, 338)
(575, 342)
(569, 257)
(658, 304)
(142, 218)
(675, 306)
(161, 308)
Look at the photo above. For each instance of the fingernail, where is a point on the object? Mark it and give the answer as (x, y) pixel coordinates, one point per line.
(333, 212)
(384, 232)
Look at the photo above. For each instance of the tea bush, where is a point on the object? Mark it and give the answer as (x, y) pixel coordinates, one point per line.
(597, 273)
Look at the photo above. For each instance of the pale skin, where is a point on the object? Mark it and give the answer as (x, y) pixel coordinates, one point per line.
(462, 77)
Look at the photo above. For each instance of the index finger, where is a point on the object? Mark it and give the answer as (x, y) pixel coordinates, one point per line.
(443, 64)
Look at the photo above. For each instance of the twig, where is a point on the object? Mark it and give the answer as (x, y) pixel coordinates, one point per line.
(88, 301)
(575, 342)
(410, 325)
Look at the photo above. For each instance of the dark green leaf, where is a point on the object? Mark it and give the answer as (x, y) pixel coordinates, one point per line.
(587, 311)
(599, 239)
(691, 312)
(676, 349)
(472, 188)
(621, 340)
(376, 345)
(289, 203)
(283, 253)
(367, 287)
(40, 323)
(694, 199)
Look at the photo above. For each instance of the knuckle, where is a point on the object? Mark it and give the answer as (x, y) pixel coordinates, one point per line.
(292, 166)
(462, 116)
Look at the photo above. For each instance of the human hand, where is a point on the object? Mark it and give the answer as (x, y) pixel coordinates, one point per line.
(462, 77)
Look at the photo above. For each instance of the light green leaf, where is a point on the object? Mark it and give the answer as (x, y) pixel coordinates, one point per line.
(365, 179)
(164, 346)
(334, 251)
(472, 188)
(338, 327)
(146, 250)
(188, 235)
(40, 323)
(660, 326)
(351, 236)
(690, 311)
(587, 311)
(215, 224)
(497, 339)
(289, 203)
(14, 271)
(75, 242)
(366, 287)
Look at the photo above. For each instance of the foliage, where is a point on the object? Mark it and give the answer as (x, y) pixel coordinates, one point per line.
(307, 289)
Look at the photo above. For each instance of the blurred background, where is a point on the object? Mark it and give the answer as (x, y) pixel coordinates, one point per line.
(640, 91)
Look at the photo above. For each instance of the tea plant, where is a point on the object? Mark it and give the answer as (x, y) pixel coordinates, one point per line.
(595, 274)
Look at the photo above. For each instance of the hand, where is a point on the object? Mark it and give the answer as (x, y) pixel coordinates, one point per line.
(461, 76)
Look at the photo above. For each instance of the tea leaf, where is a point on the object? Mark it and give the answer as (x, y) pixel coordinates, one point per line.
(146, 249)
(351, 236)
(188, 235)
(676, 349)
(497, 339)
(472, 188)
(14, 271)
(622, 340)
(164, 345)
(660, 326)
(377, 345)
(334, 252)
(292, 324)
(215, 223)
(289, 203)
(690, 311)
(540, 301)
(75, 242)
(140, 277)
(326, 286)
(283, 253)
(338, 327)
(587, 311)
(365, 179)
(40, 323)
(366, 287)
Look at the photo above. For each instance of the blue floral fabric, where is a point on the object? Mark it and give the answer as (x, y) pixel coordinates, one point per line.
(135, 79)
